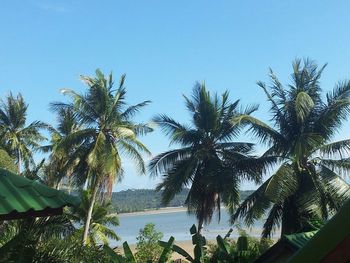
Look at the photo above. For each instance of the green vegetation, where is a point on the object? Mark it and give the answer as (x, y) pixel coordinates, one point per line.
(96, 128)
(307, 185)
(128, 256)
(106, 129)
(143, 199)
(60, 166)
(17, 138)
(245, 250)
(6, 162)
(147, 245)
(25, 239)
(101, 220)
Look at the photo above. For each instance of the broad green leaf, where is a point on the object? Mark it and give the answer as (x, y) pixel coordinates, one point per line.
(223, 245)
(167, 250)
(182, 252)
(128, 253)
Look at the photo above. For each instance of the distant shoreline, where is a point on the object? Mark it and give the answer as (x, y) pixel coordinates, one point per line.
(163, 210)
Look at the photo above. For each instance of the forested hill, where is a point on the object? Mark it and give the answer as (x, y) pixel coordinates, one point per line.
(142, 199)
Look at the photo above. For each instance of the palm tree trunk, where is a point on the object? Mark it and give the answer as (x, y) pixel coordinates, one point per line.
(89, 214)
(19, 162)
(200, 225)
(290, 220)
(70, 181)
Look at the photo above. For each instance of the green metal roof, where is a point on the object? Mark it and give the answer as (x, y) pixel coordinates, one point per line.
(20, 195)
(327, 238)
(300, 239)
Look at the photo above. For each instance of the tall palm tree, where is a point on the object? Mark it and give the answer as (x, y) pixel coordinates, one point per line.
(101, 220)
(17, 138)
(60, 164)
(107, 131)
(306, 185)
(208, 161)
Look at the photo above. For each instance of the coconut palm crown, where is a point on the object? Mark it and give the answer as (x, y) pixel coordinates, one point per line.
(306, 185)
(17, 138)
(208, 161)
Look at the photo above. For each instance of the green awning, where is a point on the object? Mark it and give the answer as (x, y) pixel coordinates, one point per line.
(333, 233)
(285, 247)
(23, 198)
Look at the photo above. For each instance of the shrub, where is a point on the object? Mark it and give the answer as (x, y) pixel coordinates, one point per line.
(148, 249)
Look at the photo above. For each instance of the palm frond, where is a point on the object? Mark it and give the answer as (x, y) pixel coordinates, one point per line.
(341, 167)
(263, 131)
(282, 183)
(303, 106)
(134, 154)
(339, 148)
(179, 176)
(253, 207)
(273, 220)
(165, 161)
(178, 133)
(132, 110)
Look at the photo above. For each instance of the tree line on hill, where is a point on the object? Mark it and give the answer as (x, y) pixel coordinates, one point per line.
(135, 200)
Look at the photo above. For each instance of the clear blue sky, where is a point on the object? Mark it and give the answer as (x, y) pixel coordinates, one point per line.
(164, 47)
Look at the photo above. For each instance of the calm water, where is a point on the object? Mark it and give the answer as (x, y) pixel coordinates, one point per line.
(175, 224)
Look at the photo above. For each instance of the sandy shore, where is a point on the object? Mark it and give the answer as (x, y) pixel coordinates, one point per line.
(164, 210)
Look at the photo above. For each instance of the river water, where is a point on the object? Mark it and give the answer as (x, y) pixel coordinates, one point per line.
(176, 224)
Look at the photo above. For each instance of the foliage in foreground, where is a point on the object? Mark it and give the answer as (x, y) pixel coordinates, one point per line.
(46, 240)
(245, 250)
(147, 246)
(22, 239)
(129, 257)
(101, 220)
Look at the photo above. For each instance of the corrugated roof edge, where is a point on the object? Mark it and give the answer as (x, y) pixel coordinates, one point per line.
(69, 199)
(333, 232)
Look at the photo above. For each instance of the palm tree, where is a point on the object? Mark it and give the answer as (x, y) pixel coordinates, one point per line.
(107, 131)
(306, 185)
(17, 138)
(101, 220)
(208, 161)
(60, 164)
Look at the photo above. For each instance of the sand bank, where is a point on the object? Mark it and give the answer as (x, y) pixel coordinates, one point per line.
(164, 210)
